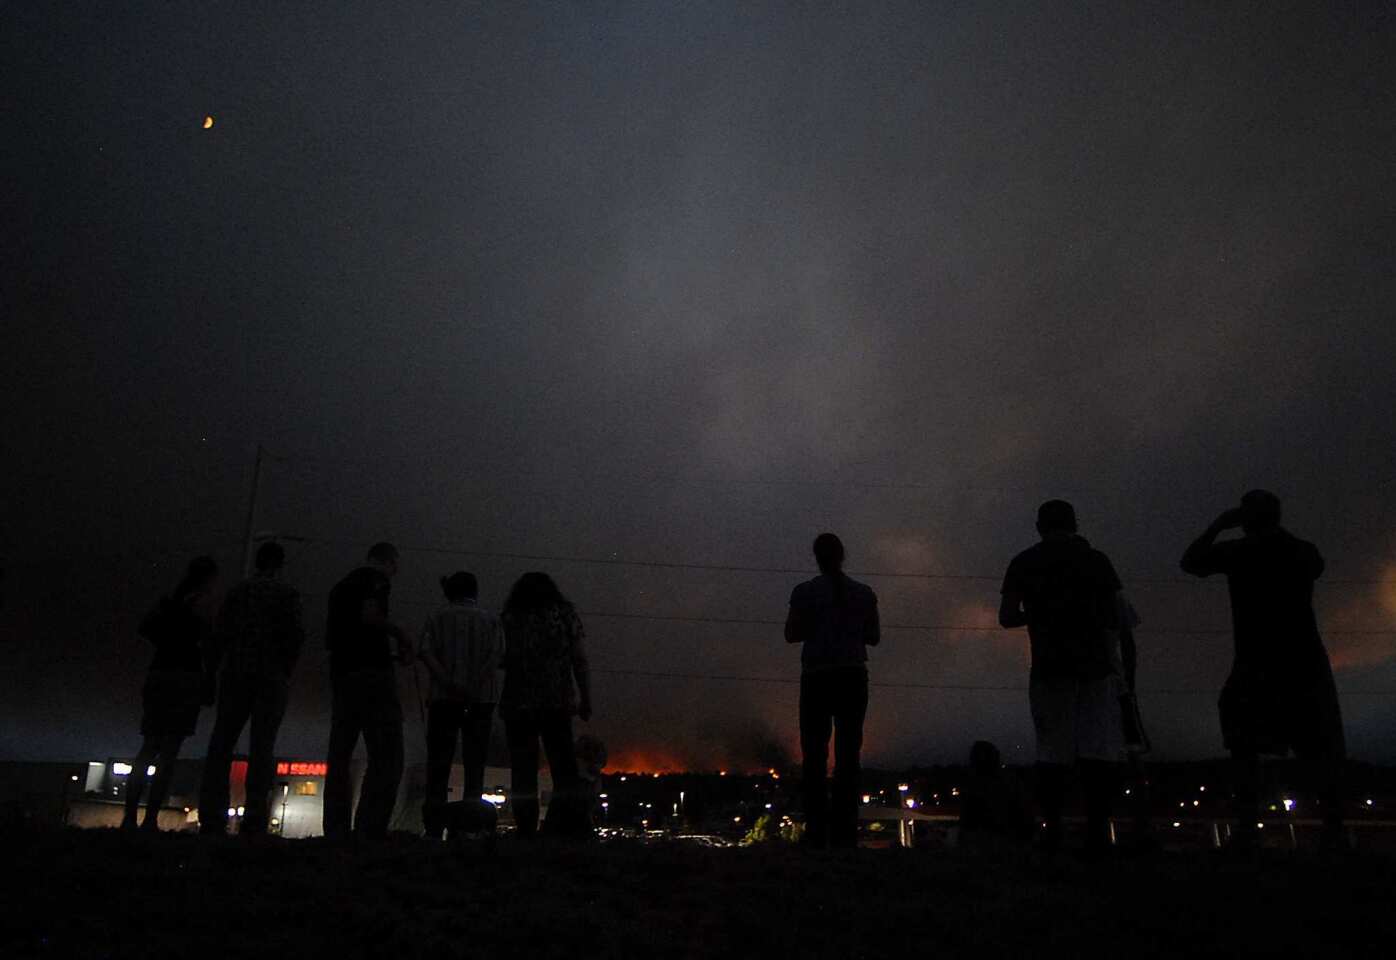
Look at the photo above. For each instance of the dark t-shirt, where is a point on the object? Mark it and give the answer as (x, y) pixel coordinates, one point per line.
(835, 619)
(1271, 580)
(1068, 590)
(353, 644)
(179, 636)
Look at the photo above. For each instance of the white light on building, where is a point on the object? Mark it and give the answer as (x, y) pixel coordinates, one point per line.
(120, 769)
(497, 798)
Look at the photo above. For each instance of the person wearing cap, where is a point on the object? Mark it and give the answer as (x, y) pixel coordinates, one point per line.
(1280, 694)
(462, 647)
(1067, 594)
(257, 640)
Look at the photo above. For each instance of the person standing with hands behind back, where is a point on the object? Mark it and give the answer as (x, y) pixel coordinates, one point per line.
(462, 647)
(361, 640)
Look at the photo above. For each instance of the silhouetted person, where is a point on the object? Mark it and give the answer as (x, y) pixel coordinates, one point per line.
(1136, 740)
(361, 641)
(176, 686)
(992, 811)
(1065, 592)
(257, 640)
(835, 617)
(1280, 695)
(462, 647)
(544, 655)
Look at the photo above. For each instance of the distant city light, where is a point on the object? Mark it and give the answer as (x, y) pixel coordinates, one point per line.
(903, 787)
(1289, 804)
(720, 773)
(74, 778)
(150, 770)
(1197, 803)
(497, 798)
(1202, 789)
(910, 803)
(1127, 791)
(120, 769)
(232, 812)
(1369, 803)
(208, 122)
(954, 791)
(1177, 823)
(240, 811)
(1259, 825)
(867, 798)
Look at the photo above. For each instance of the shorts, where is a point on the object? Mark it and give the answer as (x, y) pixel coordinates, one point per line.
(1268, 714)
(1076, 718)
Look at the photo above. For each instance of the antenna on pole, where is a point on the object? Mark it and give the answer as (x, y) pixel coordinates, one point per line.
(247, 537)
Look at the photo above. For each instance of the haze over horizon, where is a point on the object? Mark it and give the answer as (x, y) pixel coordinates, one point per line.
(688, 285)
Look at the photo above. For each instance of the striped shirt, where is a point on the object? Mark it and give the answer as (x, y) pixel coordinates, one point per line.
(468, 642)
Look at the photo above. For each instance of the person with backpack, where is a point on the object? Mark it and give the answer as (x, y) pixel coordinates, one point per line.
(1066, 593)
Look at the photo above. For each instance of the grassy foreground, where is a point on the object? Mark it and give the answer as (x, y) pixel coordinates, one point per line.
(97, 893)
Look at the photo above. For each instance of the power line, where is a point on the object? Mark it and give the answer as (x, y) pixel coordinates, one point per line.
(914, 627)
(731, 568)
(912, 685)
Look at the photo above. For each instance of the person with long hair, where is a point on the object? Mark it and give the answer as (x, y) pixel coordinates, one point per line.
(176, 685)
(546, 682)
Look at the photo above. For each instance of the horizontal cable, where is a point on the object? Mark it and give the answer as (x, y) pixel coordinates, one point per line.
(911, 685)
(730, 568)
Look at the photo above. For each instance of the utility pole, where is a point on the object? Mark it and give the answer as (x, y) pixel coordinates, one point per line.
(251, 514)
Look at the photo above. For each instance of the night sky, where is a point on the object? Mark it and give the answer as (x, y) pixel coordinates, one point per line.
(687, 284)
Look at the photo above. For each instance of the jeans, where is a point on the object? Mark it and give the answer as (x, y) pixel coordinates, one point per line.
(447, 720)
(241, 697)
(365, 702)
(524, 729)
(832, 700)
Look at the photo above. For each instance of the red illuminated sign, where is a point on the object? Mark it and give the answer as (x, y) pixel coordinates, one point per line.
(298, 769)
